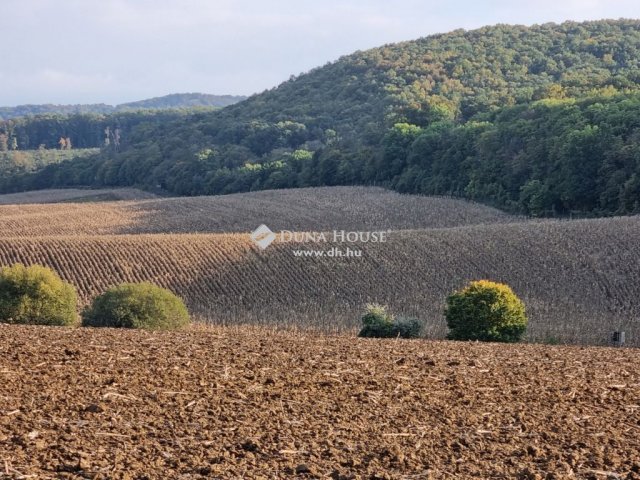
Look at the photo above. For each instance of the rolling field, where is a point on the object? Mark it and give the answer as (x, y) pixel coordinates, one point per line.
(72, 195)
(580, 279)
(250, 402)
(316, 209)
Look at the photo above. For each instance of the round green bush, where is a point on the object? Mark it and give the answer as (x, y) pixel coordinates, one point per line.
(36, 295)
(137, 305)
(486, 311)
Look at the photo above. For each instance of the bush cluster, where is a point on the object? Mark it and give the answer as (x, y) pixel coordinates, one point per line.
(36, 295)
(483, 310)
(377, 322)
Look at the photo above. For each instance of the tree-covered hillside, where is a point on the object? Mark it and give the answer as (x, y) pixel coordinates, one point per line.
(182, 100)
(541, 120)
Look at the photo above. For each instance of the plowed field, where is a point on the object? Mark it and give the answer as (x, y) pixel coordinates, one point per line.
(255, 403)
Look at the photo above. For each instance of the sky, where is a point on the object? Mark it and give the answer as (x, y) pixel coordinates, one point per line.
(115, 51)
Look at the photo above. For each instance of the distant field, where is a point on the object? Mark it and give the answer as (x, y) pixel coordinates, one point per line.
(579, 279)
(310, 209)
(64, 196)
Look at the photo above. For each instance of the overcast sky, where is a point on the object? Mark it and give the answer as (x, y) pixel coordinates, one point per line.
(115, 51)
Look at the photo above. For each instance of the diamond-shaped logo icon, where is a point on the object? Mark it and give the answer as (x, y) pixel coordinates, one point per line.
(263, 236)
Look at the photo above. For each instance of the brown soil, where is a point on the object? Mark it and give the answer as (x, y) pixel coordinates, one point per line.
(254, 403)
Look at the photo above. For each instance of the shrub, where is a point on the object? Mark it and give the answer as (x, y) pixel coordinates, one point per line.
(137, 305)
(407, 327)
(36, 295)
(377, 322)
(485, 311)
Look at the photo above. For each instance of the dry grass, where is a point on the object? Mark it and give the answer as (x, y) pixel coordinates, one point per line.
(353, 208)
(579, 279)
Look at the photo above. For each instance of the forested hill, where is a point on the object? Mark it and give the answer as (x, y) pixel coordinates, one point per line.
(182, 100)
(176, 100)
(455, 76)
(542, 120)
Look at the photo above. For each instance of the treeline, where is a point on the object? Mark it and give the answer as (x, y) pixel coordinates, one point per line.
(87, 130)
(175, 100)
(539, 120)
(553, 157)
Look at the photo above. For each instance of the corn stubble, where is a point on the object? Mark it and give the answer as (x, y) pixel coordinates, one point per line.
(307, 209)
(578, 279)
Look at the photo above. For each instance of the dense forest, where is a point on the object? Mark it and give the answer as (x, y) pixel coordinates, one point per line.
(541, 120)
(175, 100)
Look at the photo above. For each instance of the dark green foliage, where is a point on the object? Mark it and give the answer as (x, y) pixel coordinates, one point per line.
(8, 113)
(85, 130)
(552, 157)
(36, 295)
(377, 322)
(485, 311)
(140, 305)
(380, 330)
(538, 120)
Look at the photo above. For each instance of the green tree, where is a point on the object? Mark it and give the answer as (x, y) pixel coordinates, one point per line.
(397, 144)
(535, 198)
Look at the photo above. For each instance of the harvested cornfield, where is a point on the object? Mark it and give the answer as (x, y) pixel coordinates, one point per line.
(249, 402)
(73, 195)
(317, 209)
(580, 279)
